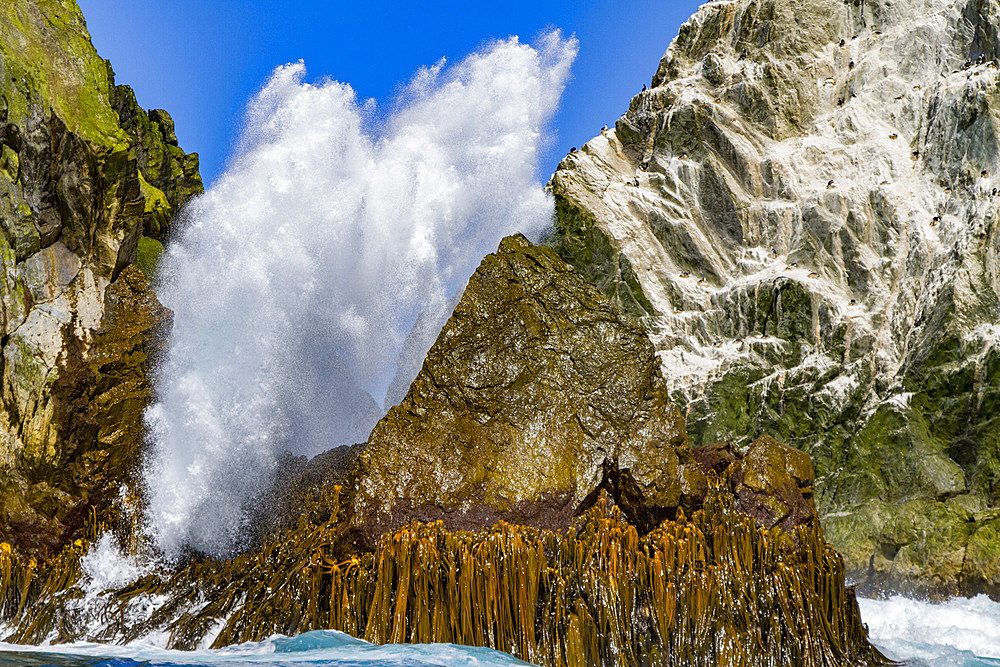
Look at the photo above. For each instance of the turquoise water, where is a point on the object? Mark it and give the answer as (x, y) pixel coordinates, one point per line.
(322, 648)
(956, 633)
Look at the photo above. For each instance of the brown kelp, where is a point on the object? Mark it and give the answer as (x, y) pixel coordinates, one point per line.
(713, 588)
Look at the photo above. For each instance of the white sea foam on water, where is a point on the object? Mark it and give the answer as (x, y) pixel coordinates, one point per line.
(296, 278)
(956, 632)
(320, 647)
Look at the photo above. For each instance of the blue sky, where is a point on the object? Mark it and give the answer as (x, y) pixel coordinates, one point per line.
(201, 61)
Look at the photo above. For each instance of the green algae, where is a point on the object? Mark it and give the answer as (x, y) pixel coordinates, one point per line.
(148, 256)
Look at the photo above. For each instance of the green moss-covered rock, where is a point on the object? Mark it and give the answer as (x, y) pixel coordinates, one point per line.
(97, 400)
(84, 175)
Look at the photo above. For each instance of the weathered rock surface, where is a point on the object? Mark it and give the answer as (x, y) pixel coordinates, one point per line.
(84, 174)
(537, 392)
(802, 209)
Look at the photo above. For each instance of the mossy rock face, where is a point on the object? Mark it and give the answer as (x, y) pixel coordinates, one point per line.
(536, 393)
(84, 175)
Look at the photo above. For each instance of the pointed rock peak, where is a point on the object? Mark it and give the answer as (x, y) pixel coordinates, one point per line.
(535, 388)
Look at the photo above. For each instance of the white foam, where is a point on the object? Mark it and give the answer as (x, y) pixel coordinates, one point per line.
(107, 568)
(296, 278)
(953, 632)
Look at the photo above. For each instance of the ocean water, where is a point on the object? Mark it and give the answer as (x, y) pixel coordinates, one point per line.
(955, 633)
(320, 648)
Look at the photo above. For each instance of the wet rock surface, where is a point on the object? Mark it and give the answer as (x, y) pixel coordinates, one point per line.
(802, 210)
(536, 393)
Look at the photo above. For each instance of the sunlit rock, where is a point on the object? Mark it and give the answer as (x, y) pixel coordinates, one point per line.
(802, 210)
(536, 390)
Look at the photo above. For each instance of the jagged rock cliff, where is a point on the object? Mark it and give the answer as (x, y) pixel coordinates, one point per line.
(88, 184)
(803, 210)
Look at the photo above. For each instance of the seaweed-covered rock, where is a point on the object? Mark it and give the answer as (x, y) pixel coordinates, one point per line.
(536, 393)
(773, 483)
(710, 588)
(84, 174)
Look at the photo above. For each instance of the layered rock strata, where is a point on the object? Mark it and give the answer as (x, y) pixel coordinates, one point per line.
(802, 209)
(88, 185)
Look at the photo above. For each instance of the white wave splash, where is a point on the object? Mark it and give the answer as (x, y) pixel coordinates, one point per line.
(958, 631)
(296, 278)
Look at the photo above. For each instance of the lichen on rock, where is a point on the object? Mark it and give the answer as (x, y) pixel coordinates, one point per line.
(806, 202)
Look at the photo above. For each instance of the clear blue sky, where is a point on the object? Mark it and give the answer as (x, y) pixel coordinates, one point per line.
(201, 60)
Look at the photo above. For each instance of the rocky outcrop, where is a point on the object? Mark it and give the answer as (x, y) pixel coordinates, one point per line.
(802, 210)
(536, 393)
(86, 179)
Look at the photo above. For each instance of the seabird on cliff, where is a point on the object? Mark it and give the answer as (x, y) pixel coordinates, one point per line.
(853, 302)
(985, 174)
(829, 184)
(685, 274)
(843, 42)
(893, 136)
(850, 65)
(813, 274)
(918, 87)
(643, 87)
(899, 97)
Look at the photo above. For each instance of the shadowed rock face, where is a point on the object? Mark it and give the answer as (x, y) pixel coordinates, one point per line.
(536, 393)
(88, 184)
(802, 209)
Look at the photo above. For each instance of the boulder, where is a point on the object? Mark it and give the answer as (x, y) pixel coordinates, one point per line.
(537, 393)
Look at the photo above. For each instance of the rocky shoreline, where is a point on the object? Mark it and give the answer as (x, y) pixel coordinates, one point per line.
(585, 469)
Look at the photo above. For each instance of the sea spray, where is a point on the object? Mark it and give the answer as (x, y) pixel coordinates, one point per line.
(295, 279)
